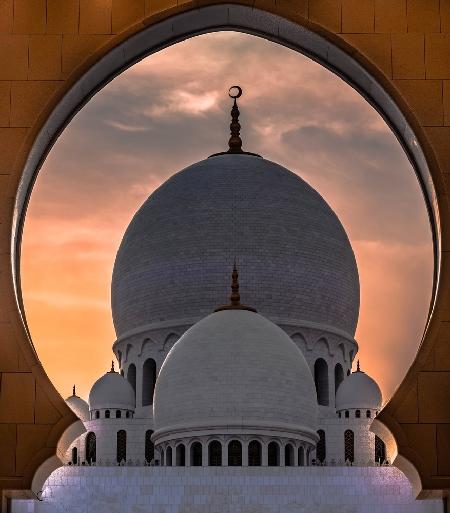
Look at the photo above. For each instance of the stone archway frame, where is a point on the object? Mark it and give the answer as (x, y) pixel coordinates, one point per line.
(171, 26)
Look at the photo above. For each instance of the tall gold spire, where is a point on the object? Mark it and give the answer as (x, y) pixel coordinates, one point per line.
(235, 297)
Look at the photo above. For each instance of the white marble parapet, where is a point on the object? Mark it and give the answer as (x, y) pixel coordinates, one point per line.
(227, 490)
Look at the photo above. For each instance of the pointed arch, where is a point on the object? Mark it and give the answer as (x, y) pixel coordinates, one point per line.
(254, 453)
(321, 449)
(338, 376)
(196, 454)
(235, 453)
(131, 376)
(215, 454)
(301, 456)
(300, 341)
(273, 454)
(169, 456)
(170, 341)
(149, 446)
(288, 455)
(180, 455)
(121, 446)
(349, 446)
(91, 448)
(74, 457)
(321, 381)
(148, 381)
(322, 344)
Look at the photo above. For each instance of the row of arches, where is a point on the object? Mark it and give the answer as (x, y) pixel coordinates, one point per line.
(349, 447)
(111, 414)
(358, 414)
(214, 456)
(149, 374)
(321, 380)
(121, 448)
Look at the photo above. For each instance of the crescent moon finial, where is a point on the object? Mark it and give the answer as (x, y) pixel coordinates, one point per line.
(235, 142)
(236, 95)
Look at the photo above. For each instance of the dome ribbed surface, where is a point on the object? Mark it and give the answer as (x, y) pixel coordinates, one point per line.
(358, 391)
(294, 257)
(235, 368)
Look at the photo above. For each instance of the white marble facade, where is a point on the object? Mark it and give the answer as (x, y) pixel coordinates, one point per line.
(266, 404)
(228, 490)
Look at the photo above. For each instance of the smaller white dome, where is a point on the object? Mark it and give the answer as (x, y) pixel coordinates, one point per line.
(358, 391)
(235, 370)
(79, 406)
(112, 391)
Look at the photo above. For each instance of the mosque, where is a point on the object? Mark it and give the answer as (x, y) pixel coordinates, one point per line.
(244, 406)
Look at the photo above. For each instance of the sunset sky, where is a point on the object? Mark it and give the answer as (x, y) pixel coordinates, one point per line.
(171, 110)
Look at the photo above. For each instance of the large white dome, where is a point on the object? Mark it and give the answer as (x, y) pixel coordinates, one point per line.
(112, 391)
(358, 391)
(235, 370)
(173, 260)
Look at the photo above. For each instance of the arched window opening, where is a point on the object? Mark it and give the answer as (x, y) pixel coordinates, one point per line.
(358, 414)
(161, 455)
(128, 414)
(91, 448)
(340, 414)
(368, 414)
(118, 414)
(235, 454)
(74, 455)
(321, 381)
(121, 446)
(180, 455)
(215, 454)
(107, 414)
(196, 454)
(254, 454)
(349, 441)
(347, 414)
(380, 450)
(97, 414)
(149, 446)
(131, 376)
(148, 381)
(288, 455)
(301, 457)
(273, 454)
(169, 456)
(321, 449)
(338, 376)
(308, 457)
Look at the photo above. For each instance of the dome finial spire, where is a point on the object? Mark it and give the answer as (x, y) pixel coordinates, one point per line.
(73, 390)
(112, 366)
(235, 297)
(235, 141)
(357, 367)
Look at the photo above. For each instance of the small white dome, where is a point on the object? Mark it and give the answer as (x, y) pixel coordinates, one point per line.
(79, 406)
(235, 370)
(112, 391)
(358, 391)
